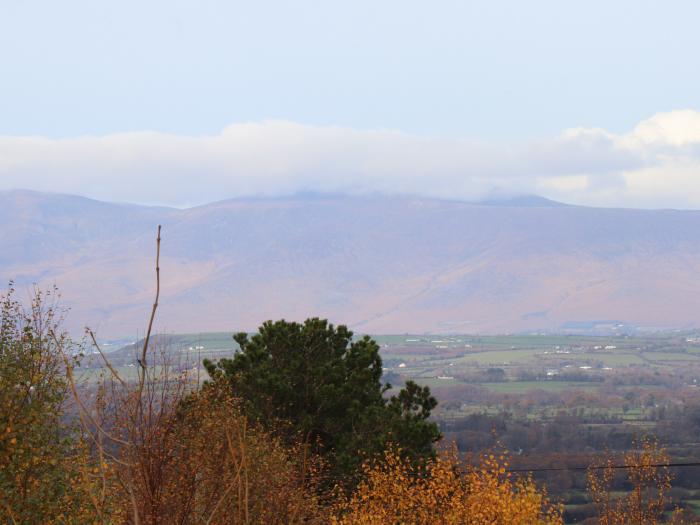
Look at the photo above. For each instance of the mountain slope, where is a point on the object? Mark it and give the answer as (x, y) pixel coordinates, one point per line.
(379, 264)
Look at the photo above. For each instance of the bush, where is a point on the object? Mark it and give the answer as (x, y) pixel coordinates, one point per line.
(42, 468)
(444, 491)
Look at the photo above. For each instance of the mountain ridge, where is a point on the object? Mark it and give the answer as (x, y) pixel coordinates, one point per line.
(380, 264)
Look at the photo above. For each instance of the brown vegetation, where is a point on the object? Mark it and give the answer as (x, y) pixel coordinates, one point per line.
(163, 449)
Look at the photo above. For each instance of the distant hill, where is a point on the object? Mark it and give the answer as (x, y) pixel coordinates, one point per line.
(379, 264)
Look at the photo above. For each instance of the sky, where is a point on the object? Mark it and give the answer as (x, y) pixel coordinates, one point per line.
(185, 102)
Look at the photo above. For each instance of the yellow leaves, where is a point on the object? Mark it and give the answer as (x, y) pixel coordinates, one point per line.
(646, 502)
(445, 491)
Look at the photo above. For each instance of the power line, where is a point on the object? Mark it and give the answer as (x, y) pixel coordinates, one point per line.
(603, 467)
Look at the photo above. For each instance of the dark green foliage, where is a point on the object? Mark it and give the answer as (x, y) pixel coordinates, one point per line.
(410, 427)
(328, 389)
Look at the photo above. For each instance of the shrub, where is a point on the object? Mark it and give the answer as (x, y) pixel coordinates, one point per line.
(444, 491)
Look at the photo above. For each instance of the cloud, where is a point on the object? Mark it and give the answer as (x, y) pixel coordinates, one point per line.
(657, 164)
(675, 128)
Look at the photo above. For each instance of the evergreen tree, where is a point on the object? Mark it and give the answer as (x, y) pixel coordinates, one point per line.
(327, 388)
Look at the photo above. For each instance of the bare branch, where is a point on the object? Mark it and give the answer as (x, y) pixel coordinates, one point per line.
(155, 303)
(104, 357)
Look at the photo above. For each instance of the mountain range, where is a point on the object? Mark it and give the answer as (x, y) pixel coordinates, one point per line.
(380, 264)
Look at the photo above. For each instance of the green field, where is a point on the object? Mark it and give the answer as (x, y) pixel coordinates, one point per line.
(555, 364)
(522, 387)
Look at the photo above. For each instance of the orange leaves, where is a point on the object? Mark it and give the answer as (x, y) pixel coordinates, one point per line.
(445, 491)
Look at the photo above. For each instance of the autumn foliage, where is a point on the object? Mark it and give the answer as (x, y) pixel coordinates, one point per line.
(163, 449)
(43, 464)
(646, 503)
(444, 491)
(175, 453)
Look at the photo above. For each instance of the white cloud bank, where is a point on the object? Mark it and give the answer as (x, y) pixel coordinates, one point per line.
(657, 164)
